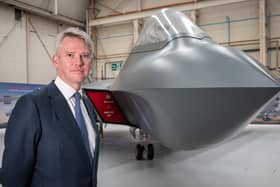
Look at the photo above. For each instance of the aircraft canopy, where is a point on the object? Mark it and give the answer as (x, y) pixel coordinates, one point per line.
(166, 25)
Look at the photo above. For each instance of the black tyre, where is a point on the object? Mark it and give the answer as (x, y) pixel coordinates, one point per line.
(139, 152)
(150, 152)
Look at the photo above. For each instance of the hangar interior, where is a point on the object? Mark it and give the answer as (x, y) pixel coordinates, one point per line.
(27, 36)
(28, 29)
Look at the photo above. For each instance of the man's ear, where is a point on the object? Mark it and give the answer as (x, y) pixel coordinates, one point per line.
(55, 60)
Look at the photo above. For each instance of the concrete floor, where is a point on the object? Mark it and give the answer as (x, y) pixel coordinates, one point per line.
(250, 159)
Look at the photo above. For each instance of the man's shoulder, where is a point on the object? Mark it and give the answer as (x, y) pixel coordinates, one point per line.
(39, 93)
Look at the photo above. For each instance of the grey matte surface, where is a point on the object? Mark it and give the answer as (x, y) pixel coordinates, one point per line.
(192, 92)
(192, 63)
(193, 118)
(195, 84)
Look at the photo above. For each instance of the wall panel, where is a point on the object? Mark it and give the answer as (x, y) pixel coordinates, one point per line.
(12, 47)
(23, 58)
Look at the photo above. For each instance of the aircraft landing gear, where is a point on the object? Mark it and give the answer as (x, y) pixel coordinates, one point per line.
(139, 152)
(144, 150)
(150, 152)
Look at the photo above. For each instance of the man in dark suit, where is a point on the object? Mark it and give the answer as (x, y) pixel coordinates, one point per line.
(51, 139)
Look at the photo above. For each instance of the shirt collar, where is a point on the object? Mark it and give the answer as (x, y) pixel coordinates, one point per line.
(66, 90)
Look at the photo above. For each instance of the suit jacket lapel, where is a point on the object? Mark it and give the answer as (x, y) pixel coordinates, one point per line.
(90, 109)
(66, 119)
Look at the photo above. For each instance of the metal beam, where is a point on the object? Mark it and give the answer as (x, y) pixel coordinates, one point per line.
(194, 15)
(147, 13)
(55, 8)
(27, 37)
(44, 13)
(135, 31)
(263, 32)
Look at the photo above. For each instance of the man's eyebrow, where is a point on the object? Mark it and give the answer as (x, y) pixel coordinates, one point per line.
(74, 52)
(85, 53)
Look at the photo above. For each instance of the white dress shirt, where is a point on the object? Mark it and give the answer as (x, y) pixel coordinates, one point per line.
(68, 92)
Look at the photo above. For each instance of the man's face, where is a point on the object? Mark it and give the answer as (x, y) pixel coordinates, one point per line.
(73, 61)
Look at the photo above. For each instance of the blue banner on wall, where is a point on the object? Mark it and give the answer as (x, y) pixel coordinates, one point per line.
(9, 94)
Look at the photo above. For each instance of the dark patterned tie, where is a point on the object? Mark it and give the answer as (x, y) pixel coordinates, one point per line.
(81, 121)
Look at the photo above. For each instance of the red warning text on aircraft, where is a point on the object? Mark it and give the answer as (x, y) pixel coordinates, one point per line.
(106, 106)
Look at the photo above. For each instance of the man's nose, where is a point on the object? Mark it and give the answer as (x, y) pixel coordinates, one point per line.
(79, 60)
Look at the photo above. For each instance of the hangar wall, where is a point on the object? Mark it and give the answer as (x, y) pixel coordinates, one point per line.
(27, 38)
(26, 44)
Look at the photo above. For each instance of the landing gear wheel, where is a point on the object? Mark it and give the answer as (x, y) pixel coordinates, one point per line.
(150, 152)
(139, 151)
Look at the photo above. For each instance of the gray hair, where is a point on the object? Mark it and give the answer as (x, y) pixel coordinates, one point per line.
(73, 32)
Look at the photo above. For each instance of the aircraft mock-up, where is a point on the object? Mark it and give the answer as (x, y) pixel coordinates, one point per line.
(181, 88)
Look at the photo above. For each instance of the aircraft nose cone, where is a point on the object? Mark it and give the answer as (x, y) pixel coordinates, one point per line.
(196, 94)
